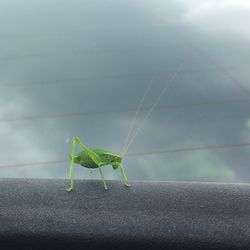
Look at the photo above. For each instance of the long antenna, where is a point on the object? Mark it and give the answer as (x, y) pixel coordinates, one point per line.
(152, 108)
(137, 112)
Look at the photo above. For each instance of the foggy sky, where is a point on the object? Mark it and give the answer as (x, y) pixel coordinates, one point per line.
(66, 57)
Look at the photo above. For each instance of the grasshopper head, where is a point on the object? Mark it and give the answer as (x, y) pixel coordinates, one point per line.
(116, 161)
(118, 158)
(113, 158)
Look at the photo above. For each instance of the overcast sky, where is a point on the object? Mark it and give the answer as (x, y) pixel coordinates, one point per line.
(80, 68)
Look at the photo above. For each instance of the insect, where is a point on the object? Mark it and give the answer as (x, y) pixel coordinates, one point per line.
(97, 158)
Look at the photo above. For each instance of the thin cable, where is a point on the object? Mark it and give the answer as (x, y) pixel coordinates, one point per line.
(31, 164)
(153, 107)
(137, 112)
(221, 69)
(123, 110)
(138, 154)
(217, 66)
(180, 150)
(49, 83)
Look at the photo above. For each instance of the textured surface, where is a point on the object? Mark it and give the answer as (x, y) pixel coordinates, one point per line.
(149, 215)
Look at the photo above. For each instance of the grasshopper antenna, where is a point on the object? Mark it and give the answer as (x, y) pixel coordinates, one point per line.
(170, 81)
(136, 113)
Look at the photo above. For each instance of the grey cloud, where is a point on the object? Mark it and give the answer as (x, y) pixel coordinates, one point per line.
(116, 55)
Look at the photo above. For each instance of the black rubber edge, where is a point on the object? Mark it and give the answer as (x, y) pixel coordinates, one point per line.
(40, 214)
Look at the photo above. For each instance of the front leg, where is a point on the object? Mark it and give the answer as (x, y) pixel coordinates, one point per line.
(126, 183)
(71, 172)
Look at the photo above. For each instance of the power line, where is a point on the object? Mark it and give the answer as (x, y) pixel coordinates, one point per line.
(121, 110)
(138, 154)
(80, 80)
(179, 150)
(31, 164)
(211, 60)
(73, 52)
(221, 69)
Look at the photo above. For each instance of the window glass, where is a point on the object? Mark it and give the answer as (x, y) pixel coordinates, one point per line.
(81, 68)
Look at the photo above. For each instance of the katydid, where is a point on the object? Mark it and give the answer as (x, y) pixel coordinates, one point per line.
(97, 158)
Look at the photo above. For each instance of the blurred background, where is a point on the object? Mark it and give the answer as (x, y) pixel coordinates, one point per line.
(80, 68)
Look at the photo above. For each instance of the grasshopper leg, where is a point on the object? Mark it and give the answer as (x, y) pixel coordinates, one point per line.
(71, 172)
(103, 181)
(126, 182)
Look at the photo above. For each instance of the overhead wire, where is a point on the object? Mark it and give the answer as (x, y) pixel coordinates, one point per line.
(139, 154)
(80, 80)
(210, 59)
(120, 110)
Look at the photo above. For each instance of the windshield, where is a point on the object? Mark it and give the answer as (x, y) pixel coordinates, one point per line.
(82, 68)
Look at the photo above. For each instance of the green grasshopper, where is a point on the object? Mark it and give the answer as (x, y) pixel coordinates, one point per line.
(94, 158)
(97, 158)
